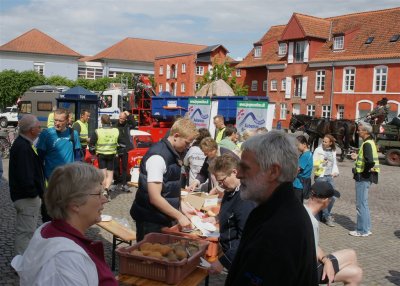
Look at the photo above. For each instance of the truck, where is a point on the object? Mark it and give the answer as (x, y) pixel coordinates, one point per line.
(9, 116)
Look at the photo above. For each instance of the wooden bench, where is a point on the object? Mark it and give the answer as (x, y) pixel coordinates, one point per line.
(120, 233)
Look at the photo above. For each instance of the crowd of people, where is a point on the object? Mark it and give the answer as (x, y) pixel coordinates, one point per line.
(268, 220)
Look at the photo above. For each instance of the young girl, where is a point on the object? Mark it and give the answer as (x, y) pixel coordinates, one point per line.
(302, 182)
(325, 169)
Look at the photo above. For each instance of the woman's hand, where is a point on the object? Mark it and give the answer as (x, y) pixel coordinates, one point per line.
(328, 271)
(210, 220)
(335, 175)
(353, 156)
(184, 222)
(192, 186)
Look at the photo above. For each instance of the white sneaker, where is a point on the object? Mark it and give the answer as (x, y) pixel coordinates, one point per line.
(358, 234)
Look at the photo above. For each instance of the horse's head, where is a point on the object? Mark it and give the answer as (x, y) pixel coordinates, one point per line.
(295, 123)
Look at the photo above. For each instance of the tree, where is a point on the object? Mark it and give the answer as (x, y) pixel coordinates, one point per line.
(59, 81)
(224, 71)
(13, 84)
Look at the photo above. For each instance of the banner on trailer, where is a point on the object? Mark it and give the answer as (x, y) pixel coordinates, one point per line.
(251, 115)
(199, 111)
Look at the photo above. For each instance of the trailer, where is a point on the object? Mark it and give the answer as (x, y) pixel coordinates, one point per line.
(387, 138)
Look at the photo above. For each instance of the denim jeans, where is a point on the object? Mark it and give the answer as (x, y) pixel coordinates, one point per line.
(363, 216)
(325, 213)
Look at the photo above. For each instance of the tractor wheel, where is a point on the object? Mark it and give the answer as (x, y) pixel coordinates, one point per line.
(3, 123)
(393, 157)
(4, 148)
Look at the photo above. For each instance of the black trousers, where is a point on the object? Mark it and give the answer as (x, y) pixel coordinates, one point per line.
(121, 172)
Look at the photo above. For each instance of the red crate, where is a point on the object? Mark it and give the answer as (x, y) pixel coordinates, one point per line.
(152, 268)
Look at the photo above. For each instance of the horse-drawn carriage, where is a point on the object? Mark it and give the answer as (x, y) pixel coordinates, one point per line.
(387, 137)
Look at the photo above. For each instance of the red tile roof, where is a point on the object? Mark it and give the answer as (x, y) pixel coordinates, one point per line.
(37, 42)
(143, 50)
(381, 25)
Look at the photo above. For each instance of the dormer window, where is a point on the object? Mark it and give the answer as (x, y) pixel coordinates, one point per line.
(395, 38)
(257, 51)
(338, 42)
(369, 40)
(282, 49)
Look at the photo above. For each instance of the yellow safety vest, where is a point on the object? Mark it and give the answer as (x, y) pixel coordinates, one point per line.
(360, 161)
(50, 120)
(84, 134)
(107, 139)
(220, 134)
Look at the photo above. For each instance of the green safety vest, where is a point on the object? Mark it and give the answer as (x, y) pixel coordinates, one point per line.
(84, 134)
(360, 162)
(220, 135)
(107, 139)
(50, 120)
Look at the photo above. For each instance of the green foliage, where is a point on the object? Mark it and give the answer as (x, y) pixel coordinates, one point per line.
(59, 81)
(224, 71)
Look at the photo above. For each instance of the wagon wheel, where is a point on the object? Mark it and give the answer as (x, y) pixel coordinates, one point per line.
(4, 148)
(393, 157)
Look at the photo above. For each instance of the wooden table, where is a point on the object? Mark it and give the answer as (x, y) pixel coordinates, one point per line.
(120, 233)
(194, 278)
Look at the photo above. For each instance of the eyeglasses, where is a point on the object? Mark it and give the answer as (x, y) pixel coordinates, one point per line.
(222, 181)
(99, 194)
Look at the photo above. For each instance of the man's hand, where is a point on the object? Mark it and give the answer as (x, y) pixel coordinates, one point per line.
(216, 267)
(328, 271)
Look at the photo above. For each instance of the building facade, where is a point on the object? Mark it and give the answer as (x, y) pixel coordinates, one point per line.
(336, 67)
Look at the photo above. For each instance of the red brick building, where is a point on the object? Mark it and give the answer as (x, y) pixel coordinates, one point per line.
(336, 67)
(180, 74)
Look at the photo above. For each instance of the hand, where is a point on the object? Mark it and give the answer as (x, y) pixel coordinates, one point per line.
(335, 175)
(191, 187)
(188, 209)
(353, 156)
(216, 267)
(328, 271)
(184, 222)
(214, 191)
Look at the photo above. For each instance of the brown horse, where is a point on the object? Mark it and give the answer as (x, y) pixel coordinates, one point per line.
(344, 131)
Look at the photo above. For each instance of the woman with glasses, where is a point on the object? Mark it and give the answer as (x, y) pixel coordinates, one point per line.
(59, 253)
(234, 211)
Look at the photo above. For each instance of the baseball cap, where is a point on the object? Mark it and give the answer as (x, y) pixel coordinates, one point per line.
(321, 189)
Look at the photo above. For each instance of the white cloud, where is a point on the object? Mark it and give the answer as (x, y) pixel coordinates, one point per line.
(89, 26)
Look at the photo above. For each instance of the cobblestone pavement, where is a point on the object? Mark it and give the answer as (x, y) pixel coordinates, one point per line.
(378, 255)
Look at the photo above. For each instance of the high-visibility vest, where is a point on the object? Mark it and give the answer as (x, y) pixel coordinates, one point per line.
(360, 161)
(50, 120)
(84, 134)
(220, 135)
(107, 139)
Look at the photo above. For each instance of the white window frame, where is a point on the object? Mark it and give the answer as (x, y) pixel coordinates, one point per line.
(274, 85)
(39, 68)
(257, 51)
(326, 111)
(238, 72)
(282, 49)
(320, 80)
(338, 42)
(283, 84)
(161, 70)
(349, 79)
(340, 112)
(297, 91)
(91, 72)
(380, 79)
(197, 86)
(183, 87)
(311, 109)
(199, 70)
(265, 85)
(254, 85)
(183, 68)
(160, 87)
(283, 111)
(299, 56)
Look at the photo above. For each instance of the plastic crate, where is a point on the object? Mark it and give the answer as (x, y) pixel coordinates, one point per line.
(152, 268)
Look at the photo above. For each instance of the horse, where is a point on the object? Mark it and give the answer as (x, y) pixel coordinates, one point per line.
(344, 131)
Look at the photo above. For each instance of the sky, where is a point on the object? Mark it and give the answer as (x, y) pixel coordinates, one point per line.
(90, 26)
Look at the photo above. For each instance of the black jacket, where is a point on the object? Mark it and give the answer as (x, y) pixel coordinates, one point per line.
(26, 177)
(277, 246)
(232, 219)
(142, 209)
(124, 138)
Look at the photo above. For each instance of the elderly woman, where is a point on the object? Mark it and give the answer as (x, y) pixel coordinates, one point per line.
(59, 253)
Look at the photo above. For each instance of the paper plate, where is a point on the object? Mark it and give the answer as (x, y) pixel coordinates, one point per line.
(184, 193)
(106, 217)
